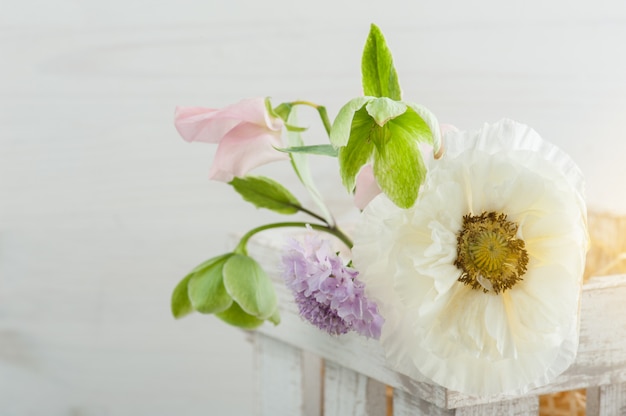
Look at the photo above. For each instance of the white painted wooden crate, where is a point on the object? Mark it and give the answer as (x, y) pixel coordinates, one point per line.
(303, 371)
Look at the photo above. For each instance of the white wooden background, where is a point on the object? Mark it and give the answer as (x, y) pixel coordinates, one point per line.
(103, 208)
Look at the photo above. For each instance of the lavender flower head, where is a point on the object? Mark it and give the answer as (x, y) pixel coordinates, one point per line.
(327, 292)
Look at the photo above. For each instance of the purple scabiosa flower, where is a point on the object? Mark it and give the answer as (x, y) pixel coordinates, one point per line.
(326, 291)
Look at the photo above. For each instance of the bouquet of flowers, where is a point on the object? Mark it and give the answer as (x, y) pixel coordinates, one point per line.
(468, 256)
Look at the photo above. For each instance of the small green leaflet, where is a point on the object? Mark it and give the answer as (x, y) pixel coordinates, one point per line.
(275, 318)
(206, 289)
(250, 286)
(180, 304)
(316, 149)
(359, 149)
(289, 127)
(266, 193)
(379, 76)
(383, 109)
(342, 126)
(238, 317)
(283, 110)
(399, 168)
(434, 133)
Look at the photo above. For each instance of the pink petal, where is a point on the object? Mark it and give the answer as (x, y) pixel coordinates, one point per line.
(244, 148)
(366, 187)
(202, 124)
(252, 110)
(211, 125)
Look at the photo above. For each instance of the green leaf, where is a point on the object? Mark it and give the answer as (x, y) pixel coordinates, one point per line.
(398, 165)
(206, 289)
(290, 127)
(359, 148)
(238, 317)
(275, 318)
(316, 149)
(379, 75)
(282, 110)
(300, 164)
(414, 125)
(266, 193)
(249, 286)
(383, 109)
(180, 303)
(340, 132)
(432, 123)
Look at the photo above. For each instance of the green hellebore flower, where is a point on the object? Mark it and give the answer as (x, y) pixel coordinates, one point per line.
(386, 133)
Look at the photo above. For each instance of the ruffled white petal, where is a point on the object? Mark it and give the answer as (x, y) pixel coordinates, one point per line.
(466, 340)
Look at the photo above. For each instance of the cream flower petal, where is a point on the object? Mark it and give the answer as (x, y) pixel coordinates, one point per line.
(462, 338)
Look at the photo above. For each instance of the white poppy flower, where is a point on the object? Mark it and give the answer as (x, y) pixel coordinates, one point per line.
(479, 282)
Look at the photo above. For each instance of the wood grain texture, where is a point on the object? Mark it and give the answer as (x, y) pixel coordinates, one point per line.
(526, 406)
(103, 208)
(348, 393)
(606, 400)
(405, 404)
(289, 380)
(280, 377)
(313, 384)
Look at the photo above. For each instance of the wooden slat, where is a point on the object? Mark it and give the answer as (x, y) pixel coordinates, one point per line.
(607, 400)
(279, 378)
(348, 393)
(405, 404)
(525, 406)
(313, 384)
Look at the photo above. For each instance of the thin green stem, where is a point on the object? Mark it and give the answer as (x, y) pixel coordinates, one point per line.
(324, 116)
(241, 247)
(314, 215)
(320, 109)
(308, 184)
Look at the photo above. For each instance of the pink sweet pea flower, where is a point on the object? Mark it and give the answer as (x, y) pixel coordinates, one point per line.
(245, 132)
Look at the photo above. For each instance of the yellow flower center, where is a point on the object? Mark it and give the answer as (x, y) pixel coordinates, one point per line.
(489, 254)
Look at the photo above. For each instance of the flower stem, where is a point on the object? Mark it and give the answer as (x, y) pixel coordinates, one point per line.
(308, 184)
(314, 215)
(321, 110)
(241, 247)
